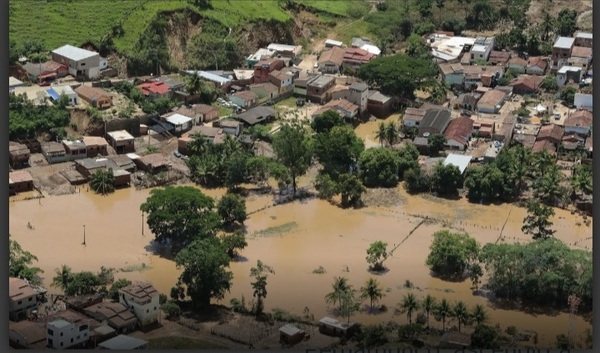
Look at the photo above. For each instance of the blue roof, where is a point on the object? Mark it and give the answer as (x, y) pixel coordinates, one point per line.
(52, 93)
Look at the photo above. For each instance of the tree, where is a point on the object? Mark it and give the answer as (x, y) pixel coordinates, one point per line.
(260, 274)
(425, 8)
(13, 52)
(442, 312)
(372, 290)
(479, 315)
(548, 188)
(567, 94)
(103, 181)
(376, 255)
(399, 75)
(180, 215)
(113, 292)
(446, 179)
(440, 5)
(371, 336)
(232, 209)
(338, 150)
(351, 190)
(193, 83)
(485, 183)
(436, 144)
(408, 306)
(537, 222)
(19, 264)
(460, 313)
(326, 186)
(549, 84)
(546, 26)
(259, 169)
(379, 167)
(416, 180)
(381, 134)
(198, 145)
(204, 275)
(349, 303)
(82, 283)
(484, 337)
(391, 133)
(340, 286)
(293, 149)
(234, 241)
(566, 22)
(582, 180)
(451, 253)
(428, 305)
(237, 169)
(323, 123)
(63, 277)
(475, 275)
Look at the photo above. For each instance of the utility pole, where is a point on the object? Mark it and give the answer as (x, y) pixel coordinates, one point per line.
(84, 234)
(142, 222)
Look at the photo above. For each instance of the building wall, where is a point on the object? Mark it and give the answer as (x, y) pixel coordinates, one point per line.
(23, 307)
(378, 109)
(534, 70)
(123, 146)
(93, 151)
(68, 336)
(454, 79)
(410, 123)
(455, 145)
(583, 131)
(583, 42)
(486, 108)
(329, 68)
(360, 99)
(146, 313)
(56, 158)
(516, 69)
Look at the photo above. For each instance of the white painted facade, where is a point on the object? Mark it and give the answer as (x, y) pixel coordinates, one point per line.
(63, 334)
(143, 299)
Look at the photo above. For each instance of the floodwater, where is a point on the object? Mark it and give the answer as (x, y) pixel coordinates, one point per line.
(368, 130)
(294, 239)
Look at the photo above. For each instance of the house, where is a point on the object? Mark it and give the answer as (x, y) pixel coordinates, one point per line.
(180, 122)
(491, 101)
(262, 53)
(101, 334)
(263, 68)
(142, 299)
(541, 145)
(75, 149)
(330, 43)
(480, 51)
(455, 340)
(365, 44)
(356, 57)
(290, 334)
(332, 327)
(121, 141)
(526, 140)
(484, 129)
(536, 65)
(434, 122)
(359, 95)
(54, 152)
(458, 133)
(63, 334)
(244, 99)
(583, 101)
(18, 154)
(58, 91)
(568, 74)
(172, 82)
(116, 315)
(14, 83)
(256, 115)
(552, 133)
(27, 335)
(584, 39)
(211, 134)
(467, 101)
(231, 127)
(499, 57)
(286, 50)
(152, 163)
(220, 82)
(123, 343)
(23, 299)
(154, 90)
(283, 80)
(517, 65)
(199, 113)
(97, 97)
(581, 57)
(345, 108)
(413, 117)
(265, 91)
(379, 104)
(122, 161)
(95, 145)
(526, 84)
(45, 72)
(452, 74)
(573, 142)
(318, 87)
(80, 62)
(331, 60)
(19, 181)
(561, 52)
(505, 132)
(458, 160)
(88, 166)
(449, 49)
(579, 122)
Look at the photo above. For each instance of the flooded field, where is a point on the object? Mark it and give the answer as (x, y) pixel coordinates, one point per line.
(294, 239)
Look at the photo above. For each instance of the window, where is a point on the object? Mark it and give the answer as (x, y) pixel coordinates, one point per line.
(83, 327)
(85, 334)
(61, 344)
(30, 299)
(82, 64)
(50, 343)
(19, 302)
(147, 311)
(71, 340)
(154, 308)
(50, 332)
(61, 334)
(78, 337)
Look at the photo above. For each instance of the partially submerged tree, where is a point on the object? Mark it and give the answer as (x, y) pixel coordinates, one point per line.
(293, 148)
(372, 290)
(537, 222)
(408, 306)
(339, 287)
(232, 209)
(20, 261)
(376, 255)
(451, 253)
(233, 242)
(103, 181)
(260, 273)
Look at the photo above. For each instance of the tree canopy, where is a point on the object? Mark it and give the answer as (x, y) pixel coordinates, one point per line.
(379, 167)
(20, 263)
(451, 253)
(293, 148)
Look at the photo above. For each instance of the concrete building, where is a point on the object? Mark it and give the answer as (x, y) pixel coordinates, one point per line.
(331, 60)
(452, 74)
(75, 149)
(80, 62)
(96, 97)
(123, 343)
(95, 145)
(329, 326)
(63, 334)
(579, 122)
(583, 101)
(458, 160)
(318, 87)
(58, 91)
(480, 51)
(286, 50)
(121, 141)
(346, 109)
(143, 299)
(18, 154)
(584, 39)
(561, 52)
(290, 334)
(491, 101)
(244, 99)
(458, 134)
(413, 117)
(263, 68)
(261, 54)
(568, 74)
(23, 299)
(180, 122)
(449, 49)
(434, 122)
(379, 104)
(54, 152)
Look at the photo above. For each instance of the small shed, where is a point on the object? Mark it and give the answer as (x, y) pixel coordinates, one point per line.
(152, 163)
(333, 327)
(290, 334)
(455, 340)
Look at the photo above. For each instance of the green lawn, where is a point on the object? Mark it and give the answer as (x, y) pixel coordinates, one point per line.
(346, 30)
(335, 7)
(181, 343)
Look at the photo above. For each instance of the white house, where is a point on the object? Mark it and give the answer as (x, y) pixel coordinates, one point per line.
(57, 91)
(143, 299)
(81, 62)
(64, 334)
(180, 122)
(567, 73)
(584, 101)
(481, 49)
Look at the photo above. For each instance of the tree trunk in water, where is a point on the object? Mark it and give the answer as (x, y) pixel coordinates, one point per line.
(294, 185)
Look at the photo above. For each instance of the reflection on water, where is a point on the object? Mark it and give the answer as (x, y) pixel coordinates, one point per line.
(315, 234)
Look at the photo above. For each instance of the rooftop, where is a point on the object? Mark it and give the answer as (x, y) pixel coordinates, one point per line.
(378, 97)
(210, 76)
(19, 288)
(459, 129)
(582, 52)
(74, 144)
(243, 74)
(414, 114)
(94, 141)
(566, 68)
(285, 47)
(257, 114)
(335, 55)
(74, 53)
(122, 342)
(245, 95)
(564, 42)
(290, 330)
(155, 160)
(120, 135)
(60, 323)
(140, 290)
(154, 87)
(19, 176)
(341, 104)
(551, 131)
(321, 81)
(359, 86)
(492, 97)
(53, 147)
(461, 161)
(178, 119)
(91, 92)
(435, 118)
(581, 118)
(585, 35)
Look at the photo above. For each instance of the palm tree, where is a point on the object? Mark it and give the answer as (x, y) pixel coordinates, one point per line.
(460, 313)
(440, 5)
(443, 311)
(523, 160)
(581, 181)
(193, 83)
(391, 133)
(408, 305)
(547, 25)
(340, 287)
(198, 145)
(63, 277)
(372, 290)
(103, 181)
(479, 314)
(381, 133)
(548, 188)
(541, 162)
(428, 306)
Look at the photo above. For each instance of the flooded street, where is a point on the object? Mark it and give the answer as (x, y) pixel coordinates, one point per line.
(294, 239)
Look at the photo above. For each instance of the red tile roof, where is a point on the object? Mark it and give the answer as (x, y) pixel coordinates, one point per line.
(153, 87)
(414, 114)
(499, 57)
(335, 55)
(581, 52)
(539, 146)
(357, 55)
(20, 176)
(538, 61)
(531, 82)
(581, 118)
(246, 95)
(518, 61)
(492, 97)
(552, 132)
(459, 129)
(338, 103)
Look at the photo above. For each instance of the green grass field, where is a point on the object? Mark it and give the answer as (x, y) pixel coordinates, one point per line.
(335, 7)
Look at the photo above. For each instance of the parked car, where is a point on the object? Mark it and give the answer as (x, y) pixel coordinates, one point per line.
(177, 154)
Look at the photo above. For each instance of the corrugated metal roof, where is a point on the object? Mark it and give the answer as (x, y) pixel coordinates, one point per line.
(564, 42)
(74, 53)
(178, 119)
(462, 162)
(210, 77)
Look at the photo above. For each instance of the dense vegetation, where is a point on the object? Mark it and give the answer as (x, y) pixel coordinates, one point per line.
(27, 120)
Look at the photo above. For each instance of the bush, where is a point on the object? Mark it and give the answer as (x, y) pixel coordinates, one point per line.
(451, 253)
(162, 298)
(172, 309)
